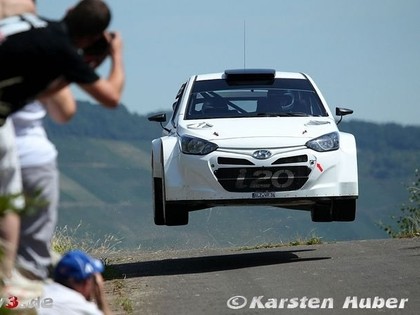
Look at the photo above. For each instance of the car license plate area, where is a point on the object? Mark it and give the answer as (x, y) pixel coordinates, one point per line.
(262, 180)
(263, 194)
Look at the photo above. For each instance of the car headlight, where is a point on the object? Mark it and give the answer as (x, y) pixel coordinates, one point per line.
(328, 142)
(197, 146)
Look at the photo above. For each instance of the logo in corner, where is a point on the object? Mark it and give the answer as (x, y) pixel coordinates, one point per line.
(13, 302)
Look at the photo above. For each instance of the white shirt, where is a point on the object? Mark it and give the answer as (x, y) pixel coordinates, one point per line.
(33, 146)
(10, 178)
(65, 301)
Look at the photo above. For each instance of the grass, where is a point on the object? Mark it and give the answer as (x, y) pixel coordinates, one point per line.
(121, 298)
(66, 238)
(311, 240)
(408, 223)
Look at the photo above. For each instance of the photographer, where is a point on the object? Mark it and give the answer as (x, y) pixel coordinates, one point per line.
(78, 281)
(38, 58)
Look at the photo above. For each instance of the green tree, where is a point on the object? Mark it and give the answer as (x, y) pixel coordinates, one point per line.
(408, 223)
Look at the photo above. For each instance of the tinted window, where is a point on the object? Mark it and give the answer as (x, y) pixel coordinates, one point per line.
(284, 97)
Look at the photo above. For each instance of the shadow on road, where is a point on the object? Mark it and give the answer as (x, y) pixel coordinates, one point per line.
(177, 266)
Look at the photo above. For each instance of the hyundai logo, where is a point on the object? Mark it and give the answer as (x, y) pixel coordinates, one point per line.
(261, 154)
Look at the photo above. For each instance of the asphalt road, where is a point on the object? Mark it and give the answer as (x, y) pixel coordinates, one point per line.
(360, 277)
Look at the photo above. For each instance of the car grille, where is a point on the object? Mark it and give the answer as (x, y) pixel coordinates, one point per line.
(291, 159)
(233, 161)
(286, 160)
(252, 179)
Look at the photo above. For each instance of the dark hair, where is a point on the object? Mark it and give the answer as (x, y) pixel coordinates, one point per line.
(88, 17)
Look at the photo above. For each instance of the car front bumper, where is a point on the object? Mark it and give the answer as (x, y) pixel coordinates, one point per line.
(291, 176)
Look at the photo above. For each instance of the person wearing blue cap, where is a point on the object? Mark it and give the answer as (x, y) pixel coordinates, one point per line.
(77, 282)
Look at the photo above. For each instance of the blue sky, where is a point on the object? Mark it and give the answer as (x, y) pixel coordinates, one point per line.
(364, 55)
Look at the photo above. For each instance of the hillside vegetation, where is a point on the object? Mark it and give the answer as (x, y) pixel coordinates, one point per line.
(104, 159)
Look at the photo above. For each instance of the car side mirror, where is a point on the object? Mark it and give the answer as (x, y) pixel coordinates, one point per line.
(339, 111)
(160, 118)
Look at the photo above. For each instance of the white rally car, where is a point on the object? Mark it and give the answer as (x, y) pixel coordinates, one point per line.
(253, 137)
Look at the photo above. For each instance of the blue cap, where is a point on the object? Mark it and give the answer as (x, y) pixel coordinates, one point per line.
(77, 265)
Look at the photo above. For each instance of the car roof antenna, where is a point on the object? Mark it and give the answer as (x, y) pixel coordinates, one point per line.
(244, 44)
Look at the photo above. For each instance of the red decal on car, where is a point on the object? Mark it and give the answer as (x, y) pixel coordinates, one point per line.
(319, 167)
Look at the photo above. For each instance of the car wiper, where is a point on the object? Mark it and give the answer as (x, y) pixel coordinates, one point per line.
(268, 115)
(296, 114)
(285, 114)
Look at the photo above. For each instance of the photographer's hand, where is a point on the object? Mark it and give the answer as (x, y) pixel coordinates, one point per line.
(99, 294)
(108, 91)
(116, 44)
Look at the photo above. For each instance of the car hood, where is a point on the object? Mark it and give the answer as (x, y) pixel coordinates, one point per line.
(267, 131)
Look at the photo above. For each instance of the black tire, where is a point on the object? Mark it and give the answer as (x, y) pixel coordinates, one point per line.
(158, 199)
(175, 216)
(322, 212)
(344, 210)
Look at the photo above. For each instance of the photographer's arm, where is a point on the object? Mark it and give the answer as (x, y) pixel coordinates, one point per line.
(14, 7)
(108, 91)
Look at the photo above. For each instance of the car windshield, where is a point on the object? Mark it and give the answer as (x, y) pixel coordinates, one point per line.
(284, 97)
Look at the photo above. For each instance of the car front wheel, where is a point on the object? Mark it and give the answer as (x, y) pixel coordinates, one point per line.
(159, 202)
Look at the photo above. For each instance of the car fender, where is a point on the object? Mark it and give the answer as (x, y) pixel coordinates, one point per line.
(157, 158)
(348, 149)
(162, 149)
